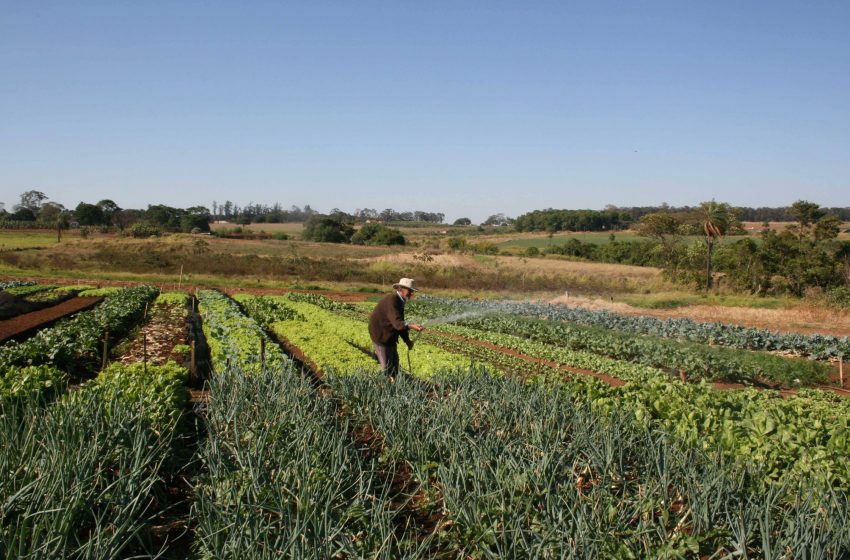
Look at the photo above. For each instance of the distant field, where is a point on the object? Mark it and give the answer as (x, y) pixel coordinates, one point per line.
(542, 240)
(294, 228)
(29, 239)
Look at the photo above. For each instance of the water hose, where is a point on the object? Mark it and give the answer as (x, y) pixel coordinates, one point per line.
(413, 340)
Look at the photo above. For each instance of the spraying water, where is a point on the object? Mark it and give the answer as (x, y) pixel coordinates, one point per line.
(453, 318)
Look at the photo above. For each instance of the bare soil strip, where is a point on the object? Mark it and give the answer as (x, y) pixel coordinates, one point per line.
(28, 323)
(156, 340)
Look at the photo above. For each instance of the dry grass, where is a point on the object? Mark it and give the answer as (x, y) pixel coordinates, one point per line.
(290, 227)
(535, 265)
(803, 318)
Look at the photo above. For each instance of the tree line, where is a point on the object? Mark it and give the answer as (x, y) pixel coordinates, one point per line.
(614, 218)
(276, 213)
(806, 254)
(36, 210)
(704, 246)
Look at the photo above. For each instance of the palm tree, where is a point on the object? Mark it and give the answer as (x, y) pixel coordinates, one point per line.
(715, 219)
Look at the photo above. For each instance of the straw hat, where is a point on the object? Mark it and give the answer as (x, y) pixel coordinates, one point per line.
(405, 283)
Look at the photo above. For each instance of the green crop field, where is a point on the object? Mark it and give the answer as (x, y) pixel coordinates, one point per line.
(514, 430)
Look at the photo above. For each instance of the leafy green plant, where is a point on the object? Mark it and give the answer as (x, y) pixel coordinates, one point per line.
(74, 344)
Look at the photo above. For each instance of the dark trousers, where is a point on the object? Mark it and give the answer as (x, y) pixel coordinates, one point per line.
(388, 357)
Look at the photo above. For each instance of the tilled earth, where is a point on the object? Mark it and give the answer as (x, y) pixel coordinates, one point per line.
(166, 329)
(43, 317)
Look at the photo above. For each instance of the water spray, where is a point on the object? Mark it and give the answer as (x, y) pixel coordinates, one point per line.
(444, 320)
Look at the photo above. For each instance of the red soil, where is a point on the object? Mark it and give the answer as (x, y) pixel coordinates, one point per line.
(42, 318)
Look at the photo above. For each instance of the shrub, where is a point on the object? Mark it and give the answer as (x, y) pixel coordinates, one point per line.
(377, 234)
(457, 243)
(144, 229)
(326, 229)
(838, 297)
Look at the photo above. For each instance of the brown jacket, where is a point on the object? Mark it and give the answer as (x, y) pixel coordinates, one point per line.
(386, 323)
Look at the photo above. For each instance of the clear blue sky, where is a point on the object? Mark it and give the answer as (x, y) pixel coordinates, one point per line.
(469, 108)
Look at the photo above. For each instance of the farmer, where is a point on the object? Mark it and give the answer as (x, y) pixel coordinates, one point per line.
(386, 324)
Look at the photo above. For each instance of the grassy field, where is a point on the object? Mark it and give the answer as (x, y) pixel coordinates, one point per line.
(15, 239)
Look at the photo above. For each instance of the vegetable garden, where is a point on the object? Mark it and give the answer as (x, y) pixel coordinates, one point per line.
(518, 431)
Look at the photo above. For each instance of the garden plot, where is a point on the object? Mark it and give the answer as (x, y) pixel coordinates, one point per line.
(164, 336)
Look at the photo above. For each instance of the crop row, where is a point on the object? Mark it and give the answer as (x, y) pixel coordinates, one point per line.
(523, 471)
(283, 478)
(817, 346)
(31, 381)
(83, 475)
(74, 343)
(504, 469)
(804, 437)
(15, 284)
(698, 361)
(334, 342)
(234, 339)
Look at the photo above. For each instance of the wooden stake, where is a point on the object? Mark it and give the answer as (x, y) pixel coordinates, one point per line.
(180, 283)
(145, 351)
(105, 349)
(683, 376)
(263, 353)
(145, 316)
(193, 366)
(841, 370)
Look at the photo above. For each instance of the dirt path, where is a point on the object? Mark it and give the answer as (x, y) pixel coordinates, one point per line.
(156, 340)
(22, 324)
(799, 320)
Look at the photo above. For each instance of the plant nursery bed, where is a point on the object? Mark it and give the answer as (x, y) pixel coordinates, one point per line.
(28, 323)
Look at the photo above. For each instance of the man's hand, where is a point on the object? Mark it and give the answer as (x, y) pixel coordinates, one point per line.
(416, 327)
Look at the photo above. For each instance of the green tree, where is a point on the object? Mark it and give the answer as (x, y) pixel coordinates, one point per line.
(88, 214)
(49, 213)
(463, 222)
(326, 229)
(664, 229)
(806, 213)
(715, 219)
(32, 200)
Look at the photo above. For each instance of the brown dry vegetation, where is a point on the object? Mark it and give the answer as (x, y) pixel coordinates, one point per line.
(299, 262)
(803, 318)
(209, 261)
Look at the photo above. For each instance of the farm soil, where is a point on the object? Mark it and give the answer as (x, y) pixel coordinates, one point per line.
(166, 329)
(27, 322)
